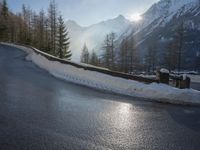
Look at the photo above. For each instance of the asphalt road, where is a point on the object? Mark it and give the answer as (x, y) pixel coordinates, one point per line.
(40, 112)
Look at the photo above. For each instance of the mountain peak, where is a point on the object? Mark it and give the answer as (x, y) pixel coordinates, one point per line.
(167, 9)
(95, 34)
(72, 22)
(120, 17)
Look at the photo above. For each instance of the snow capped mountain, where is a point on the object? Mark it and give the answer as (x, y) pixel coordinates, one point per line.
(164, 10)
(94, 35)
(160, 23)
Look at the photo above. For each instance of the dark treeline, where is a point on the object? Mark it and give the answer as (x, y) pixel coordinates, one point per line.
(44, 30)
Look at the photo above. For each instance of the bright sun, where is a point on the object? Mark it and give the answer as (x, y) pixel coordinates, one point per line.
(136, 17)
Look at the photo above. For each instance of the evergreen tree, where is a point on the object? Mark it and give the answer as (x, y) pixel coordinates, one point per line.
(85, 55)
(108, 57)
(63, 40)
(94, 59)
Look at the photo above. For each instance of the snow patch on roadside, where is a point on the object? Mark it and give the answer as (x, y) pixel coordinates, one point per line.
(194, 78)
(164, 71)
(155, 92)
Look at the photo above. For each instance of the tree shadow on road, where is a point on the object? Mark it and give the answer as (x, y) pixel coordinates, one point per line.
(186, 116)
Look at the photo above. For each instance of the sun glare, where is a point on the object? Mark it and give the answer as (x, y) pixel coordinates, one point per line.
(135, 17)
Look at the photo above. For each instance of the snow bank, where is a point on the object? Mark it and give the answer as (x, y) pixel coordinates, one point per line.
(194, 78)
(164, 71)
(153, 92)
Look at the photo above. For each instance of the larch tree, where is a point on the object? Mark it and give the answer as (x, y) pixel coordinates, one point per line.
(132, 55)
(4, 14)
(45, 32)
(170, 57)
(197, 61)
(52, 18)
(180, 40)
(175, 53)
(41, 30)
(106, 53)
(123, 62)
(63, 43)
(4, 9)
(27, 24)
(112, 48)
(151, 58)
(47, 39)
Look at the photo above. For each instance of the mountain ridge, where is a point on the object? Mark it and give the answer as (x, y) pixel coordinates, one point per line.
(93, 36)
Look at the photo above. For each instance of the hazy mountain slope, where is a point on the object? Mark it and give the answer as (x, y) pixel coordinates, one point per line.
(94, 35)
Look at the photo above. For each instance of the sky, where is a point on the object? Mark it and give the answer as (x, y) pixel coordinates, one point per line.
(88, 12)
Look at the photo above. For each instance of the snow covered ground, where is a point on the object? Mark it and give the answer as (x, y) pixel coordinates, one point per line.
(154, 92)
(195, 78)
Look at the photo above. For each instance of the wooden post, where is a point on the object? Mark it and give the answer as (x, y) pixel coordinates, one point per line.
(164, 76)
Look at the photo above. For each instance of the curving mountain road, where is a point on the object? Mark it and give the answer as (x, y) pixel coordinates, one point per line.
(40, 112)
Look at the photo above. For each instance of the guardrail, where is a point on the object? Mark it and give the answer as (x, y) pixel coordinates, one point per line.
(97, 69)
(93, 68)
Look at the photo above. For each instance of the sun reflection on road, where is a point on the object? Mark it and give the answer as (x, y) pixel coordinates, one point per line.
(124, 115)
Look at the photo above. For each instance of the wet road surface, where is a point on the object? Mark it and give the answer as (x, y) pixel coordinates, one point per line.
(40, 112)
